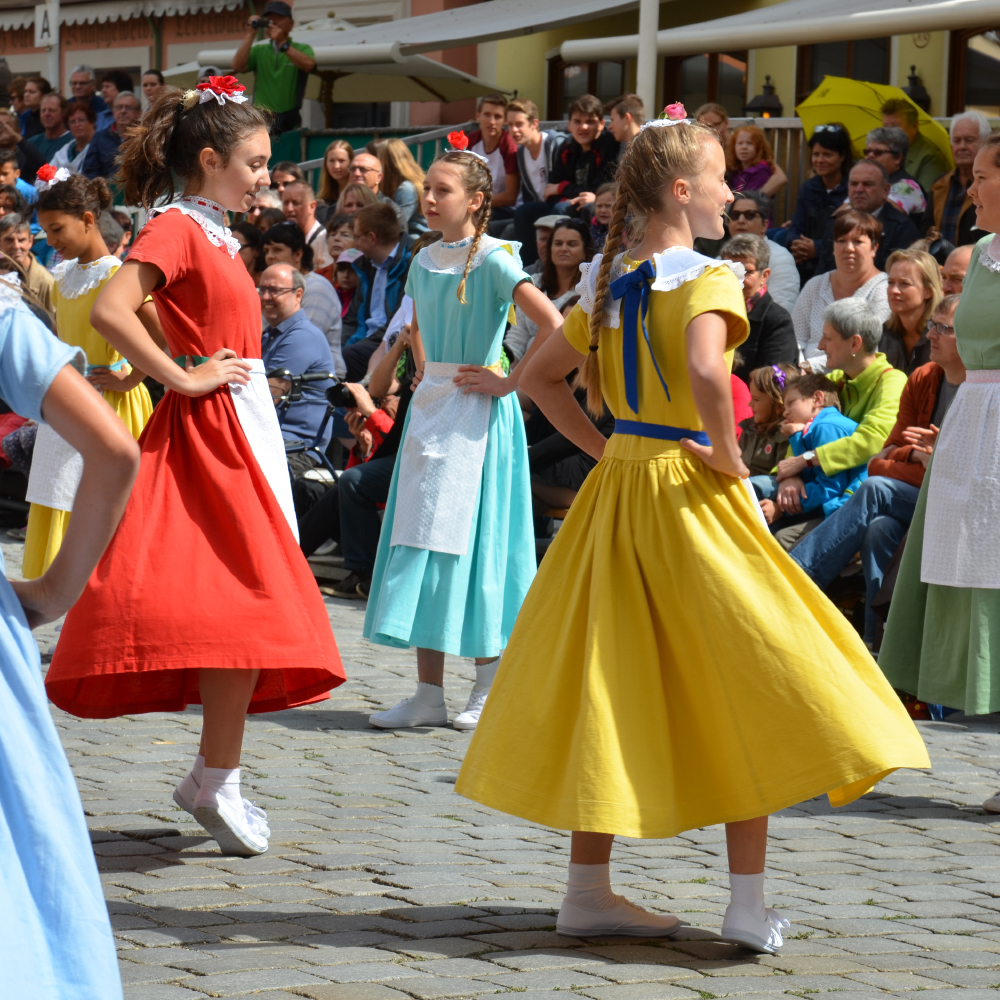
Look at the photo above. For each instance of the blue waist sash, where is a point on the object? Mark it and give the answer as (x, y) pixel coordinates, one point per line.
(664, 432)
(116, 367)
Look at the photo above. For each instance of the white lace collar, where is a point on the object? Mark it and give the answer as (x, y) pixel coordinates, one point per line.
(673, 267)
(987, 255)
(76, 279)
(209, 215)
(450, 258)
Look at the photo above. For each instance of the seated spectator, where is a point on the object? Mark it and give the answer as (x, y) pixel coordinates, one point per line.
(270, 217)
(366, 170)
(382, 272)
(102, 153)
(812, 419)
(868, 191)
(762, 442)
(742, 409)
(283, 173)
(955, 268)
(354, 197)
(153, 84)
(571, 246)
(924, 161)
(251, 248)
(715, 117)
(265, 198)
(285, 244)
(402, 181)
(750, 162)
(584, 163)
(346, 282)
(626, 115)
(83, 84)
(298, 202)
(125, 221)
(492, 141)
(54, 134)
(35, 88)
(772, 335)
(12, 201)
(15, 242)
(80, 119)
(335, 175)
(16, 90)
(29, 159)
(950, 205)
(291, 342)
(869, 389)
(339, 237)
(749, 213)
(113, 83)
(876, 518)
(889, 147)
(820, 196)
(604, 207)
(856, 237)
(914, 291)
(112, 234)
(10, 175)
(543, 235)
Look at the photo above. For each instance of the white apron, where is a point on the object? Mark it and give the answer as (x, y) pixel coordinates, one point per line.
(440, 463)
(962, 521)
(55, 473)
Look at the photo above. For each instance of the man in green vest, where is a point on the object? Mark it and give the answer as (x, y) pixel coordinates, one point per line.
(281, 66)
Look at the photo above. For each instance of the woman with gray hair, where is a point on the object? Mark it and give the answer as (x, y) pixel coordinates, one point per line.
(889, 147)
(870, 390)
(951, 205)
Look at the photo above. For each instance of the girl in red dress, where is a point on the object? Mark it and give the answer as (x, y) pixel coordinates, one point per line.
(203, 596)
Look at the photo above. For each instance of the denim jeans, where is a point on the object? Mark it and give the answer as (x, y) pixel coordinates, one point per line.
(873, 521)
(359, 489)
(766, 487)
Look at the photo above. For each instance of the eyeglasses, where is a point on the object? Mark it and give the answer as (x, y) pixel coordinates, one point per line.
(877, 152)
(748, 213)
(363, 170)
(942, 329)
(264, 291)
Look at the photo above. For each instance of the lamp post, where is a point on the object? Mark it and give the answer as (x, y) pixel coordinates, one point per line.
(765, 105)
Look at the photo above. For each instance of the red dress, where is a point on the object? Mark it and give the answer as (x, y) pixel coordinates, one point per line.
(204, 570)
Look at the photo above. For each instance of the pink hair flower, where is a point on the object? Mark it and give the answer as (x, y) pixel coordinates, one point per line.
(675, 112)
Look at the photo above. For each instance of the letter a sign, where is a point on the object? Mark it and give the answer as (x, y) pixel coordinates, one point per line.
(46, 25)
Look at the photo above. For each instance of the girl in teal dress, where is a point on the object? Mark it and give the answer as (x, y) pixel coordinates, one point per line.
(457, 553)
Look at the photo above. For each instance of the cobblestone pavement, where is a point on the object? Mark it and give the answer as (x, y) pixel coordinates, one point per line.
(381, 883)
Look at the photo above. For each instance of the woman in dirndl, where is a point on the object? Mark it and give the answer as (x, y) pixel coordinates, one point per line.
(942, 640)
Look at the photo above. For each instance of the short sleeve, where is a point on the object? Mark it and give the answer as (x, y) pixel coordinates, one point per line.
(30, 358)
(306, 50)
(509, 153)
(717, 289)
(166, 242)
(506, 272)
(411, 278)
(576, 329)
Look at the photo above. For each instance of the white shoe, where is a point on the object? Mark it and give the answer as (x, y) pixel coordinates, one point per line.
(469, 719)
(992, 804)
(625, 917)
(742, 927)
(186, 792)
(239, 831)
(409, 713)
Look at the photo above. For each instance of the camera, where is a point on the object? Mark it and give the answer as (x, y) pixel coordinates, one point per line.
(340, 395)
(259, 22)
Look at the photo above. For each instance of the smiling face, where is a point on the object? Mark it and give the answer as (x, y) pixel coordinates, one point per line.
(906, 289)
(66, 233)
(825, 162)
(706, 196)
(745, 217)
(234, 184)
(338, 162)
(840, 352)
(985, 190)
(16, 243)
(447, 205)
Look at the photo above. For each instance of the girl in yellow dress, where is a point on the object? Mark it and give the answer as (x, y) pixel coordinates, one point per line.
(68, 211)
(671, 667)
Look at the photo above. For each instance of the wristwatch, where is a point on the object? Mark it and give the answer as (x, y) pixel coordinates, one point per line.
(284, 47)
(810, 457)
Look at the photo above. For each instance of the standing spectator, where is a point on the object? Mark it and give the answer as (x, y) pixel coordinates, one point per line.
(856, 237)
(889, 147)
(299, 205)
(52, 111)
(715, 117)
(914, 292)
(751, 162)
(35, 88)
(749, 213)
(868, 191)
(10, 174)
(924, 161)
(265, 198)
(366, 170)
(354, 197)
(772, 336)
(627, 115)
(82, 84)
(954, 270)
(402, 181)
(102, 154)
(950, 202)
(280, 66)
(152, 85)
(336, 173)
(283, 173)
(820, 196)
(15, 242)
(29, 159)
(584, 163)
(81, 120)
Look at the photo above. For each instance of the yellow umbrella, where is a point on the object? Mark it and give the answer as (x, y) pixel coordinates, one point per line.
(856, 105)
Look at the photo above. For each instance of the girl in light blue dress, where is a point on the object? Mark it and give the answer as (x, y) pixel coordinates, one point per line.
(457, 553)
(55, 936)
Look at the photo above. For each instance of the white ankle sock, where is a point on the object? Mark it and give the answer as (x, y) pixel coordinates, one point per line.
(431, 695)
(223, 782)
(748, 892)
(590, 886)
(199, 768)
(486, 672)
(191, 783)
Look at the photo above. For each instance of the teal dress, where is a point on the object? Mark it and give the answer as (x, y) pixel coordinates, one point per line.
(942, 643)
(464, 605)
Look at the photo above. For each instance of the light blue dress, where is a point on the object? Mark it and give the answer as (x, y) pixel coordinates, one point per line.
(463, 604)
(55, 936)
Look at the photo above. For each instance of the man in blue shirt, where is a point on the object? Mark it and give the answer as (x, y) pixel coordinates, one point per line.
(103, 149)
(292, 342)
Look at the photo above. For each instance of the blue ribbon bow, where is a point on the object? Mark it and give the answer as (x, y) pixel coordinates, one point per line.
(634, 288)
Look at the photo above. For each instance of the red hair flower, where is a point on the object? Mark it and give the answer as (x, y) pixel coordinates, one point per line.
(222, 88)
(459, 140)
(46, 172)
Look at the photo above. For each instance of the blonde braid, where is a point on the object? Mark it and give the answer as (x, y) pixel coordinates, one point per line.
(590, 375)
(480, 229)
(476, 176)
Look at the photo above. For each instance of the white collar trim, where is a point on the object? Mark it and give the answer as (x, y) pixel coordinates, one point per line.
(450, 258)
(76, 279)
(208, 215)
(989, 256)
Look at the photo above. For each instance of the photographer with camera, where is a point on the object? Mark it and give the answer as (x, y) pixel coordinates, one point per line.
(281, 66)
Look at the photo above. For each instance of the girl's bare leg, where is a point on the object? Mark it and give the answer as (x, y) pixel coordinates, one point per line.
(225, 697)
(747, 845)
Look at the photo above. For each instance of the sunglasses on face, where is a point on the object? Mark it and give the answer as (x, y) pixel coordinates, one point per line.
(747, 213)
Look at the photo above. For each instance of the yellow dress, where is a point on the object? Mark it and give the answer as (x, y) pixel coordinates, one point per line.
(76, 289)
(671, 666)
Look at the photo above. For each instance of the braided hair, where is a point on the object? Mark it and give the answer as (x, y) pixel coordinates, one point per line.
(476, 177)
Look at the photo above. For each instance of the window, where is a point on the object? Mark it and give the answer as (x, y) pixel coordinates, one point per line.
(568, 81)
(375, 115)
(974, 72)
(865, 59)
(717, 77)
